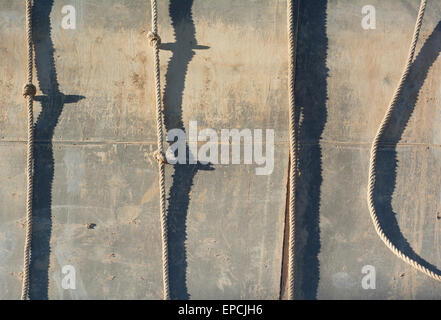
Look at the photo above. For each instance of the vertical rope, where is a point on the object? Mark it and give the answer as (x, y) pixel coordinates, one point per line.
(376, 145)
(293, 148)
(29, 91)
(155, 42)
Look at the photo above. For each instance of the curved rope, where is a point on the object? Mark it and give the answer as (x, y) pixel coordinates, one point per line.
(375, 148)
(159, 155)
(293, 143)
(29, 92)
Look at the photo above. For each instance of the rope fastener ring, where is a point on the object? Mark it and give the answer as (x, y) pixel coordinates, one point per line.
(160, 157)
(154, 38)
(29, 90)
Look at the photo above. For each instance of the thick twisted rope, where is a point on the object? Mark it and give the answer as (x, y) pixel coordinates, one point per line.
(293, 143)
(29, 91)
(376, 145)
(155, 42)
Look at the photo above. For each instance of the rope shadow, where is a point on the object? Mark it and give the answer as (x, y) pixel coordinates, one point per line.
(311, 97)
(179, 196)
(387, 158)
(52, 103)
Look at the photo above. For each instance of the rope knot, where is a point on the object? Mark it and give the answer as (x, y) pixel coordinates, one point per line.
(160, 157)
(29, 90)
(154, 38)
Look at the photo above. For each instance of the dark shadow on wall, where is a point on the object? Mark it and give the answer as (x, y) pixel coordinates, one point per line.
(52, 102)
(387, 161)
(311, 97)
(179, 197)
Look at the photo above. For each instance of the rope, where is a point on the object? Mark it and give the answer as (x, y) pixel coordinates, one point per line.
(376, 145)
(29, 92)
(293, 148)
(159, 155)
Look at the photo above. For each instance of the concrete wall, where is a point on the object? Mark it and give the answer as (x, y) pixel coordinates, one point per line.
(224, 65)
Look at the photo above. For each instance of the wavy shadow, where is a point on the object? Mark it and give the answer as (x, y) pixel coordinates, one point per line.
(52, 103)
(311, 96)
(179, 196)
(387, 160)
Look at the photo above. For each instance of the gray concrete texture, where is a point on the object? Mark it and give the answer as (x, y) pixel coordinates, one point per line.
(223, 64)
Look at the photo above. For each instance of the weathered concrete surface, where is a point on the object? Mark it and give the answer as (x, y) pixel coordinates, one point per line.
(226, 223)
(361, 71)
(225, 66)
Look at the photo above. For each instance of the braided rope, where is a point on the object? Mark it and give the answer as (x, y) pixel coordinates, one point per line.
(376, 146)
(293, 160)
(155, 42)
(29, 91)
